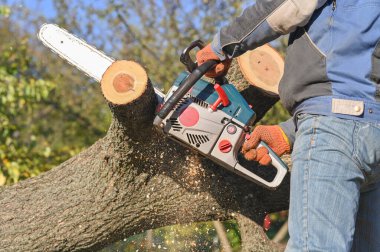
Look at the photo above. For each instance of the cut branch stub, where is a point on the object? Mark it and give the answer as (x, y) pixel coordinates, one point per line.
(123, 82)
(263, 68)
(131, 97)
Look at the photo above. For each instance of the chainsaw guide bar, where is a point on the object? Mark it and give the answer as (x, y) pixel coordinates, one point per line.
(78, 53)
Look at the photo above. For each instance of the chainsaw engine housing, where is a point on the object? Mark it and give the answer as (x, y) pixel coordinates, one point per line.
(216, 134)
(214, 120)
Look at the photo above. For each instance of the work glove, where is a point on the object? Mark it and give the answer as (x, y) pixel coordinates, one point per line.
(207, 54)
(273, 136)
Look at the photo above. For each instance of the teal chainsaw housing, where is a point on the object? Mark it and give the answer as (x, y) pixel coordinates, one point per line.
(214, 120)
(238, 108)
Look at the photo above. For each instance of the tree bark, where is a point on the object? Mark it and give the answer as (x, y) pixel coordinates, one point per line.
(131, 180)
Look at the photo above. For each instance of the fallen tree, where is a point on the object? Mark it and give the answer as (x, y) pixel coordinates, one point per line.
(132, 180)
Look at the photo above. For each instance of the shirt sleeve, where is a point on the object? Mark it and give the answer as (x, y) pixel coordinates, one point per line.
(261, 23)
(289, 129)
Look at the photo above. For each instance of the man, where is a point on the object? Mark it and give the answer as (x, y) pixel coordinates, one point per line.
(331, 86)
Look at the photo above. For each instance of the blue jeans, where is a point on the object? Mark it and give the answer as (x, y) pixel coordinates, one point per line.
(335, 194)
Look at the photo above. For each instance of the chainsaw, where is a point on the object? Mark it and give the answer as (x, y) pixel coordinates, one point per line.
(213, 119)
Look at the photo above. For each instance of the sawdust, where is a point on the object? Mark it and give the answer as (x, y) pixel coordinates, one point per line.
(194, 173)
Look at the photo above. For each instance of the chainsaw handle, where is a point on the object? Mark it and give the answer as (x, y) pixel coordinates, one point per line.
(185, 56)
(281, 167)
(188, 83)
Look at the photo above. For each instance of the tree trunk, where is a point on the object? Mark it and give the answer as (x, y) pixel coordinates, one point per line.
(131, 180)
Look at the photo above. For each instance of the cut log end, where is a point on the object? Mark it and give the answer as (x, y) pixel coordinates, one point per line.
(263, 68)
(123, 82)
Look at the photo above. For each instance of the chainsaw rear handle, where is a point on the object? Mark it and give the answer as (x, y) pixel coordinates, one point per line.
(281, 167)
(188, 83)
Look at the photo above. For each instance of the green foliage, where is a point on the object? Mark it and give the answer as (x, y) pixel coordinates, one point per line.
(275, 115)
(22, 155)
(233, 234)
(192, 237)
(5, 11)
(41, 103)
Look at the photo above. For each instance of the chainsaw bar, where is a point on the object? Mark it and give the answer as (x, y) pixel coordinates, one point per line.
(78, 53)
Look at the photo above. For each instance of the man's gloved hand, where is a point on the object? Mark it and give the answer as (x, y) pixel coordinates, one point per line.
(273, 136)
(207, 54)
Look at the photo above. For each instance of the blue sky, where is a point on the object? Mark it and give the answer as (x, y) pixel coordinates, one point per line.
(43, 6)
(46, 6)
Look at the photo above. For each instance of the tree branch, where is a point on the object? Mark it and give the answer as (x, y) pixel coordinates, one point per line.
(133, 179)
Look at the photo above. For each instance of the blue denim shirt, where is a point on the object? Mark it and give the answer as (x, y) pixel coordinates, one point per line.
(332, 65)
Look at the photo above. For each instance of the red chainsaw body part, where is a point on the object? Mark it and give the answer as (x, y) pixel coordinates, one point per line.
(189, 117)
(222, 99)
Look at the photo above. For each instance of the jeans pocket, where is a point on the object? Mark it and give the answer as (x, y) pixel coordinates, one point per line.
(367, 150)
(375, 74)
(301, 117)
(300, 120)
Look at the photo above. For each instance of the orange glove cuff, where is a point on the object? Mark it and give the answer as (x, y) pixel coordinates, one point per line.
(285, 136)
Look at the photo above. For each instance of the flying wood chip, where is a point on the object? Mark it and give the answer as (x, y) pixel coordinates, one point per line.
(263, 68)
